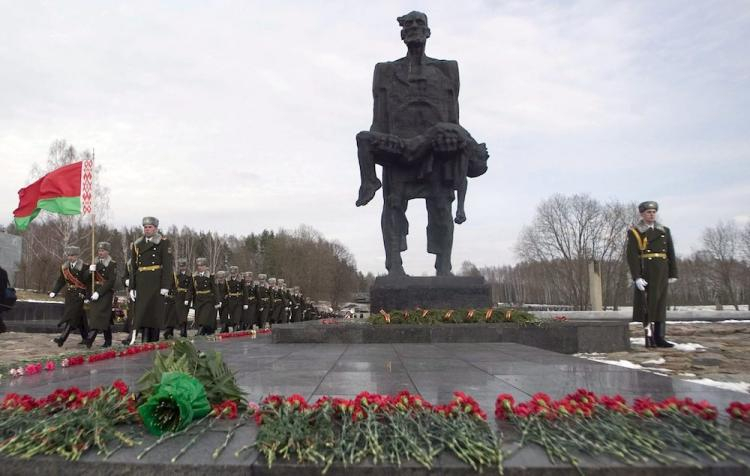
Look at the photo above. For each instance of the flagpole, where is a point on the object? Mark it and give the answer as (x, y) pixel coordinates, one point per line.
(93, 227)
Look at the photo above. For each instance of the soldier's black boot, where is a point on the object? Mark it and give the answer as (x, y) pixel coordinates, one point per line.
(660, 330)
(63, 336)
(183, 331)
(90, 339)
(169, 333)
(153, 335)
(107, 338)
(648, 330)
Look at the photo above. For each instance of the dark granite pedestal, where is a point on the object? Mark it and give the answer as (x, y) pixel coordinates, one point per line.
(429, 292)
(569, 337)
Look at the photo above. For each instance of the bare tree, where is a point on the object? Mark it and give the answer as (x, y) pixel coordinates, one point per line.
(722, 244)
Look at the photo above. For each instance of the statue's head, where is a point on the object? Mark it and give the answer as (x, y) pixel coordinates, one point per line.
(414, 29)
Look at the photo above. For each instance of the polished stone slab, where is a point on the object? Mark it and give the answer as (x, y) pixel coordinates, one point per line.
(434, 370)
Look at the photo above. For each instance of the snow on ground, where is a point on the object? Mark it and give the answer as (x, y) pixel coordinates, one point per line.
(743, 387)
(688, 347)
(624, 363)
(658, 361)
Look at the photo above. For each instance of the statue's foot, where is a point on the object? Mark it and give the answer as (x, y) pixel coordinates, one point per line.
(397, 272)
(367, 192)
(460, 217)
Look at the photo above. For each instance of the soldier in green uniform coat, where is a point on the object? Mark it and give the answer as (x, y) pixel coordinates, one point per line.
(74, 276)
(277, 302)
(296, 304)
(183, 281)
(233, 300)
(205, 298)
(151, 279)
(130, 311)
(170, 309)
(251, 301)
(100, 310)
(265, 302)
(653, 265)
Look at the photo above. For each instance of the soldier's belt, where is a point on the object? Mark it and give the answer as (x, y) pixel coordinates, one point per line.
(76, 288)
(234, 294)
(654, 255)
(154, 267)
(264, 299)
(208, 291)
(181, 290)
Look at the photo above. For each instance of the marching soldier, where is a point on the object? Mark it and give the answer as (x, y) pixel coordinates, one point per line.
(298, 304)
(183, 281)
(151, 279)
(170, 309)
(264, 301)
(277, 303)
(234, 300)
(251, 301)
(653, 265)
(74, 274)
(205, 298)
(220, 280)
(100, 310)
(130, 311)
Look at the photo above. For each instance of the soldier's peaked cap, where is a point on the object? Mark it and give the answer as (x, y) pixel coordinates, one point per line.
(150, 221)
(649, 205)
(103, 245)
(182, 261)
(72, 251)
(201, 261)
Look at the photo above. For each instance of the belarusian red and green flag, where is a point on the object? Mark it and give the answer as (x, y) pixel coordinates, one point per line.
(66, 191)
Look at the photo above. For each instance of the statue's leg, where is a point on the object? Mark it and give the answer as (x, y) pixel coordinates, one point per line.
(393, 223)
(440, 233)
(369, 179)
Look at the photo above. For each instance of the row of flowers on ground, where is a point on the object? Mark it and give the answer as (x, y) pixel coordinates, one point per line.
(72, 360)
(382, 428)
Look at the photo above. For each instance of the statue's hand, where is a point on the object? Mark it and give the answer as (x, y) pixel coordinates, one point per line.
(390, 144)
(447, 140)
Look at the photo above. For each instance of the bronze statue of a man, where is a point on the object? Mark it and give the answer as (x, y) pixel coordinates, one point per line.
(425, 153)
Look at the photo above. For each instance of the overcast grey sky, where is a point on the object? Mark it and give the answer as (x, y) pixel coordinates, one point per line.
(240, 116)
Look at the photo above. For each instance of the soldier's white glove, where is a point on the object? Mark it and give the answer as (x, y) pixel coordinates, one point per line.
(86, 301)
(672, 280)
(132, 294)
(244, 306)
(217, 306)
(641, 284)
(187, 303)
(127, 282)
(92, 268)
(164, 292)
(95, 296)
(51, 294)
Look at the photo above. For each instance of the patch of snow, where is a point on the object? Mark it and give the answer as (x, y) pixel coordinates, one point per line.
(637, 341)
(743, 387)
(687, 347)
(687, 374)
(658, 361)
(620, 363)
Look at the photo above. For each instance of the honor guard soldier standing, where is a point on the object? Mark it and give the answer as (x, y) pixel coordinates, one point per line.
(251, 301)
(234, 300)
(653, 265)
(130, 314)
(220, 280)
(264, 301)
(184, 281)
(74, 274)
(100, 310)
(151, 279)
(205, 298)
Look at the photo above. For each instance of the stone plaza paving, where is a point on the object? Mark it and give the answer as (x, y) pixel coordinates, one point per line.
(482, 370)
